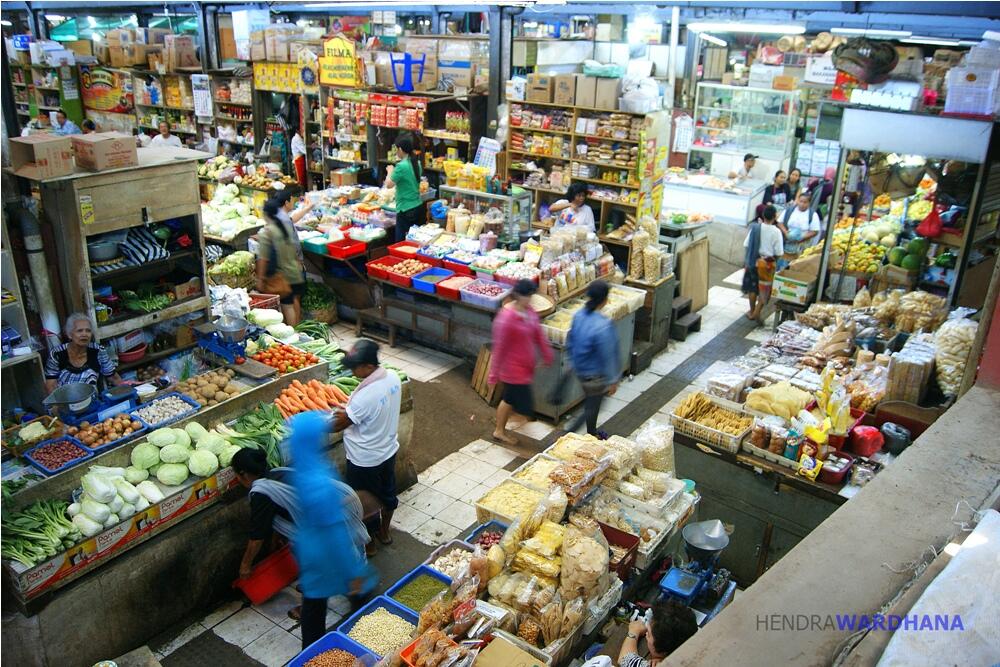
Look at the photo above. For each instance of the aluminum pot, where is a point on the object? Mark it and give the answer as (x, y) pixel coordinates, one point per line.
(75, 398)
(232, 329)
(102, 251)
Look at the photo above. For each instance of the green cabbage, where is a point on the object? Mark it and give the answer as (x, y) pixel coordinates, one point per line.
(196, 431)
(181, 437)
(161, 437)
(126, 491)
(226, 456)
(145, 455)
(134, 474)
(172, 474)
(212, 442)
(203, 463)
(98, 488)
(87, 526)
(174, 454)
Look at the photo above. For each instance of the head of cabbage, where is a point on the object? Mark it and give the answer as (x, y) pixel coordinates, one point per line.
(172, 474)
(203, 463)
(145, 455)
(174, 454)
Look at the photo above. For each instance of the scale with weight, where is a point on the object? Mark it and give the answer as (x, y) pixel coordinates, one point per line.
(224, 341)
(78, 402)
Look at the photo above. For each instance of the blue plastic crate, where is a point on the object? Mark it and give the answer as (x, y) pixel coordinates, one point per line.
(120, 441)
(330, 641)
(69, 464)
(421, 282)
(478, 530)
(195, 407)
(407, 578)
(390, 606)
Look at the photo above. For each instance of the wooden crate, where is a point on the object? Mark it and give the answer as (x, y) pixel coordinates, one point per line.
(480, 378)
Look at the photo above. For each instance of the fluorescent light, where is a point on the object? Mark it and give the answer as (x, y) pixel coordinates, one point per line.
(868, 32)
(5, 23)
(712, 39)
(941, 41)
(968, 42)
(772, 28)
(92, 21)
(55, 17)
(96, 37)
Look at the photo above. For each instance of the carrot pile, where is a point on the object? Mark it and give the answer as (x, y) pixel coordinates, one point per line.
(313, 395)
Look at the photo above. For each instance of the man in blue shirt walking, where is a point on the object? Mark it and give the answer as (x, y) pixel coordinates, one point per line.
(593, 351)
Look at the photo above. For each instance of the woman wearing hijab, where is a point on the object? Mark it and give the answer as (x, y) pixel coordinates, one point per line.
(279, 252)
(329, 537)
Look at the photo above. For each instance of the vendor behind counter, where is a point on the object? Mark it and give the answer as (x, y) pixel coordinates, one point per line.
(664, 628)
(80, 360)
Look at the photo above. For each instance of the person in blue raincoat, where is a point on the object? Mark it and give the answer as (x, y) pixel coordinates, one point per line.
(329, 540)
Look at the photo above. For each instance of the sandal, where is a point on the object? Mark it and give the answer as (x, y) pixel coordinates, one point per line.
(504, 439)
(295, 613)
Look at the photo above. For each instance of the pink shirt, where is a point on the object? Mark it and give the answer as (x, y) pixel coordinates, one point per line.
(517, 341)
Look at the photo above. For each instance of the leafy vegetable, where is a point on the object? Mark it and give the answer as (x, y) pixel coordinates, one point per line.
(98, 488)
(181, 437)
(173, 454)
(37, 533)
(172, 474)
(316, 330)
(317, 296)
(240, 263)
(263, 428)
(162, 437)
(212, 442)
(226, 456)
(145, 455)
(195, 431)
(128, 492)
(95, 510)
(149, 491)
(134, 474)
(203, 463)
(265, 316)
(87, 526)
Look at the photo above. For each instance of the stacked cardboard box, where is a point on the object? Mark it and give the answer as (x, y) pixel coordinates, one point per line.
(179, 51)
(540, 87)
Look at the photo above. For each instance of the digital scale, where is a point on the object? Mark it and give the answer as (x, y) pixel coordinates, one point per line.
(699, 582)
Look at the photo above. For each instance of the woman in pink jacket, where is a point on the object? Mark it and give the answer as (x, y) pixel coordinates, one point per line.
(518, 341)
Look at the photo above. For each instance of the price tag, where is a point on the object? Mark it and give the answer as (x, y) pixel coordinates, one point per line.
(87, 216)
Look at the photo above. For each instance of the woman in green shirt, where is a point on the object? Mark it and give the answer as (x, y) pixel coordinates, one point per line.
(405, 178)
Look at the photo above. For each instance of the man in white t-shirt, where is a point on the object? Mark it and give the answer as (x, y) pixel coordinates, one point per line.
(370, 423)
(164, 138)
(746, 171)
(800, 225)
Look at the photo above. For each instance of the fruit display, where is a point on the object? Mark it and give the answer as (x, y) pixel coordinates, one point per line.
(214, 167)
(910, 257)
(918, 210)
(264, 180)
(860, 256)
(408, 267)
(210, 388)
(103, 433)
(285, 358)
(882, 201)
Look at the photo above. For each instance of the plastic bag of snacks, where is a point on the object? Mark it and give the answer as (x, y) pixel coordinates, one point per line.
(863, 299)
(584, 559)
(953, 342)
(479, 567)
(547, 540)
(550, 618)
(512, 537)
(656, 442)
(640, 240)
(435, 613)
(572, 616)
(651, 257)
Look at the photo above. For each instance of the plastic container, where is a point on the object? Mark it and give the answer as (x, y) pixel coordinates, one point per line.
(629, 542)
(828, 477)
(866, 440)
(488, 302)
(85, 454)
(837, 441)
(346, 248)
(407, 652)
(447, 548)
(429, 259)
(329, 642)
(454, 292)
(316, 245)
(195, 407)
(389, 605)
(458, 266)
(395, 249)
(373, 266)
(482, 528)
(120, 441)
(269, 576)
(708, 434)
(413, 574)
(421, 280)
(132, 355)
(258, 300)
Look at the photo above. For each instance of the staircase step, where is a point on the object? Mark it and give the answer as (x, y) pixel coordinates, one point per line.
(678, 332)
(691, 321)
(681, 306)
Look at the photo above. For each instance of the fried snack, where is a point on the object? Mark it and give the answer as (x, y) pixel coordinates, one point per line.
(698, 408)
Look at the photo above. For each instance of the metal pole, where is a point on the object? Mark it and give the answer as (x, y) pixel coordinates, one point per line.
(675, 29)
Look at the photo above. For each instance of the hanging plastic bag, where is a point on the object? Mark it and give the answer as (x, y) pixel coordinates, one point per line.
(932, 225)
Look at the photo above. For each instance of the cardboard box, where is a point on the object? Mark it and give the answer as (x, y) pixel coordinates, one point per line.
(586, 91)
(607, 93)
(152, 35)
(610, 28)
(188, 289)
(422, 81)
(258, 48)
(383, 69)
(540, 87)
(179, 51)
(460, 73)
(784, 82)
(514, 89)
(105, 150)
(502, 653)
(103, 53)
(81, 47)
(39, 156)
(340, 177)
(794, 286)
(119, 56)
(119, 37)
(565, 89)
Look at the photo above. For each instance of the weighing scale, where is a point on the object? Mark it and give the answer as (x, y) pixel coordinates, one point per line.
(214, 343)
(103, 405)
(698, 583)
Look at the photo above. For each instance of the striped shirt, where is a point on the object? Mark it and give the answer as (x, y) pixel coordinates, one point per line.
(633, 660)
(59, 367)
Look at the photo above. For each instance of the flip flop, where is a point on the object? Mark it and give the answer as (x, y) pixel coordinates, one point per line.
(387, 540)
(503, 441)
(295, 613)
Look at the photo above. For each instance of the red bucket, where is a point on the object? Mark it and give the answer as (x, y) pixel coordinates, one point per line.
(270, 576)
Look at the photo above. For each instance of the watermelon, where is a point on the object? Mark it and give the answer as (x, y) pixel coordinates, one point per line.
(918, 246)
(896, 256)
(912, 262)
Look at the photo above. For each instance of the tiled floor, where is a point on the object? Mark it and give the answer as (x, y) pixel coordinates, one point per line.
(420, 363)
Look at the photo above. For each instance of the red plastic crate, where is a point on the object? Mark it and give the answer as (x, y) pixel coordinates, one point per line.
(258, 300)
(628, 541)
(395, 251)
(376, 272)
(429, 259)
(270, 576)
(398, 279)
(838, 441)
(828, 477)
(458, 267)
(345, 248)
(453, 292)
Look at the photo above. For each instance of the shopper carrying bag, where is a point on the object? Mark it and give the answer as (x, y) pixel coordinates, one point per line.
(279, 255)
(763, 244)
(592, 344)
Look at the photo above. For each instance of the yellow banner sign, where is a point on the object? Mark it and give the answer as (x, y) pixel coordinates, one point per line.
(338, 66)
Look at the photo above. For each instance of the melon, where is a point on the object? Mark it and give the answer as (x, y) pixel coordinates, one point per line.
(882, 229)
(911, 262)
(917, 246)
(889, 240)
(871, 236)
(896, 256)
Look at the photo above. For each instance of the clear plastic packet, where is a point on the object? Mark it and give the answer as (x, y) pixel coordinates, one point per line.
(391, 660)
(547, 540)
(496, 559)
(497, 584)
(550, 618)
(534, 521)
(435, 613)
(572, 616)
(658, 482)
(524, 594)
(530, 631)
(557, 503)
(479, 567)
(632, 490)
(584, 559)
(512, 537)
(545, 593)
(509, 591)
(529, 561)
(656, 443)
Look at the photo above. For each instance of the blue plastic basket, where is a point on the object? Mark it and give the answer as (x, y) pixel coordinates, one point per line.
(480, 529)
(390, 606)
(421, 283)
(330, 641)
(195, 407)
(69, 464)
(121, 441)
(414, 573)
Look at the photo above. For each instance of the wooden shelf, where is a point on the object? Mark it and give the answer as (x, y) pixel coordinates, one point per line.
(606, 165)
(613, 202)
(164, 106)
(612, 140)
(48, 88)
(606, 183)
(607, 239)
(174, 257)
(552, 105)
(446, 135)
(235, 120)
(173, 130)
(540, 155)
(521, 128)
(138, 321)
(235, 104)
(155, 356)
(19, 359)
(537, 189)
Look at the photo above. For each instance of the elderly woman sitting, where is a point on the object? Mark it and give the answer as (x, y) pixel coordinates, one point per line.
(79, 360)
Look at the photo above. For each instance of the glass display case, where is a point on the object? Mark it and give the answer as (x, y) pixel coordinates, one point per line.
(731, 121)
(516, 207)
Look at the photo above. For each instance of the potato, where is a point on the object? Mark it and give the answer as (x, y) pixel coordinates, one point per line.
(208, 391)
(221, 396)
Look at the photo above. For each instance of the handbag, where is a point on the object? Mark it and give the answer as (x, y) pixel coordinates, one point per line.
(274, 281)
